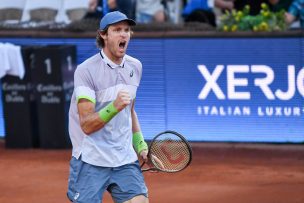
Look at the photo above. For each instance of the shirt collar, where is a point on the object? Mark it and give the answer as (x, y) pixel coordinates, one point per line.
(109, 62)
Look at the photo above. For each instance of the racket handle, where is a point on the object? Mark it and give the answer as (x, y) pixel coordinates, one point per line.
(154, 170)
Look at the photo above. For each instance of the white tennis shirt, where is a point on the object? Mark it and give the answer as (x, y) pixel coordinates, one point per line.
(98, 79)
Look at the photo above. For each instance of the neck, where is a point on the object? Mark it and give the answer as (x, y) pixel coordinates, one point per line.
(114, 59)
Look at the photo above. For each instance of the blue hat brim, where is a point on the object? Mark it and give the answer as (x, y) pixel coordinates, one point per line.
(129, 21)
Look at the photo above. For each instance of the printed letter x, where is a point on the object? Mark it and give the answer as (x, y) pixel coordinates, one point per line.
(211, 82)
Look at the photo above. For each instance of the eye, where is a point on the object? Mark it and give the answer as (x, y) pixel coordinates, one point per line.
(127, 30)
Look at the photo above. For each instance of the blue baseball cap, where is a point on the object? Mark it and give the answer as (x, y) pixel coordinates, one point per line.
(114, 17)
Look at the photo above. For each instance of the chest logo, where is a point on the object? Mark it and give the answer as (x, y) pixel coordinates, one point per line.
(131, 73)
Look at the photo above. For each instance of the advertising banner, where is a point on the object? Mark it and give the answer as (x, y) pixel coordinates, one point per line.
(215, 89)
(236, 90)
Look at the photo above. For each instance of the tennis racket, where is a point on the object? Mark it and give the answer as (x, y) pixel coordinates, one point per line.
(168, 152)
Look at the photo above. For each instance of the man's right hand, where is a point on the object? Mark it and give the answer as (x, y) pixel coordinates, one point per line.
(122, 100)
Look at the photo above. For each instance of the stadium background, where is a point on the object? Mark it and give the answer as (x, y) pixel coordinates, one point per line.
(168, 97)
(236, 158)
(224, 169)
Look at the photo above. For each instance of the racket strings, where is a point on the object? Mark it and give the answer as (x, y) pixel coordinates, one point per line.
(171, 154)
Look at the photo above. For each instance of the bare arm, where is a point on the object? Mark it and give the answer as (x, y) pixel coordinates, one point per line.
(135, 122)
(136, 128)
(223, 4)
(90, 120)
(273, 2)
(289, 18)
(93, 5)
(112, 4)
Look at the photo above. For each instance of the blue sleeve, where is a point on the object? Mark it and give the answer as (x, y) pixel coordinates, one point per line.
(195, 4)
(295, 8)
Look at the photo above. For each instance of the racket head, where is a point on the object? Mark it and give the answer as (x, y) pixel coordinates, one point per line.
(169, 152)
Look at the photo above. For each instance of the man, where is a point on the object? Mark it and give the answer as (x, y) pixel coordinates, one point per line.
(125, 6)
(103, 124)
(295, 12)
(148, 11)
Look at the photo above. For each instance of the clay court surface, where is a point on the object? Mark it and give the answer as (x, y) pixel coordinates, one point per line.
(230, 173)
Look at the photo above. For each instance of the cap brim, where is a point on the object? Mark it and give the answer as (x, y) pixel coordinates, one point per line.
(130, 21)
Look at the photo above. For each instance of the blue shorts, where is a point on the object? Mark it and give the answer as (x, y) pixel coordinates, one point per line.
(87, 182)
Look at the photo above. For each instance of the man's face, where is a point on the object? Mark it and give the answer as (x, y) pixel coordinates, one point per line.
(116, 40)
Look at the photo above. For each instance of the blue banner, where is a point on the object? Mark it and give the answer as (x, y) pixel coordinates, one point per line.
(248, 90)
(215, 89)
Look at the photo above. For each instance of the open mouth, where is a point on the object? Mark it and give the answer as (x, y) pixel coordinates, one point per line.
(122, 45)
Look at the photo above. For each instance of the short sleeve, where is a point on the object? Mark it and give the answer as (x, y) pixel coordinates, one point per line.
(83, 84)
(140, 71)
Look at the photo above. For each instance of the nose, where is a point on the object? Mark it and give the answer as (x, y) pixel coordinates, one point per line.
(124, 33)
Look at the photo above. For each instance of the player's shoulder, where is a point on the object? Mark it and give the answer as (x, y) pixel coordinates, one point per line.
(133, 61)
(90, 63)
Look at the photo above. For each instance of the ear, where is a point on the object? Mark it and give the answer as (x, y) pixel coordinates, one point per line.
(103, 34)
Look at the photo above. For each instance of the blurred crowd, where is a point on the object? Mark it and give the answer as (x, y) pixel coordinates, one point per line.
(144, 11)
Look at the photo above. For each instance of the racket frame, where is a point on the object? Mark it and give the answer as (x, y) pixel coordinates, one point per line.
(150, 158)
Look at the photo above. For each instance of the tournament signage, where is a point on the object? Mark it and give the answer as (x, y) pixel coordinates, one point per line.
(248, 90)
(47, 93)
(208, 89)
(14, 93)
(294, 85)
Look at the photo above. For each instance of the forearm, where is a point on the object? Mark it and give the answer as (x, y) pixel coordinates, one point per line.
(139, 143)
(273, 2)
(222, 4)
(91, 123)
(289, 18)
(92, 5)
(135, 122)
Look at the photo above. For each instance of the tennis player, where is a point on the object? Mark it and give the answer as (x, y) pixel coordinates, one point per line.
(103, 124)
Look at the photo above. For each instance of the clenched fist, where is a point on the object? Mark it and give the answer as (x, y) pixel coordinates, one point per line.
(122, 100)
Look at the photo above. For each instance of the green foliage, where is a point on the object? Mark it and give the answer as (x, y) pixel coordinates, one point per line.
(266, 20)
